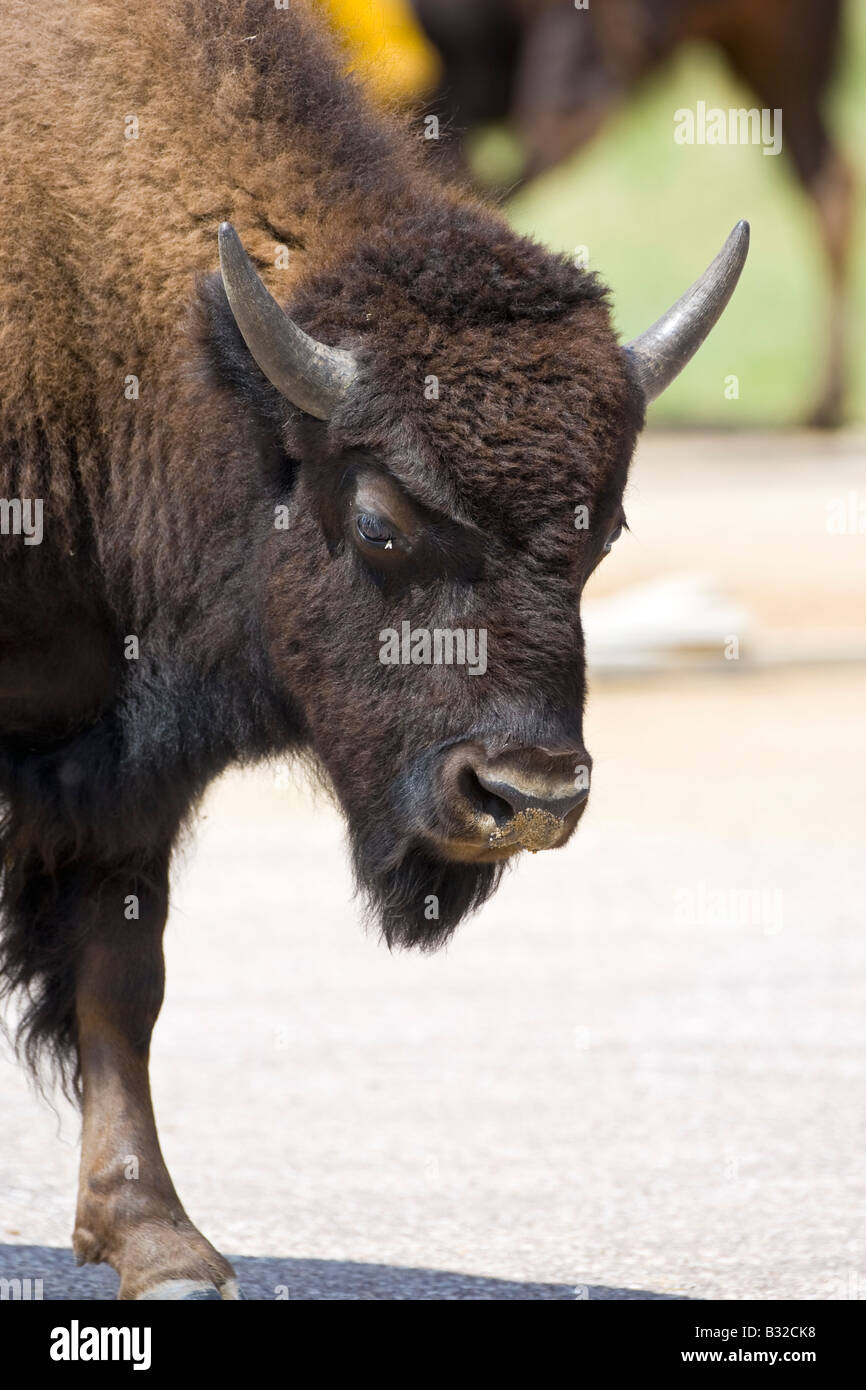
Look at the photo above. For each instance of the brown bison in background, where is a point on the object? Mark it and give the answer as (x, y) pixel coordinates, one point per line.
(557, 72)
(213, 518)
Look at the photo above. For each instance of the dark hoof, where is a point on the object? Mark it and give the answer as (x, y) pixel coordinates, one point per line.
(829, 415)
(192, 1291)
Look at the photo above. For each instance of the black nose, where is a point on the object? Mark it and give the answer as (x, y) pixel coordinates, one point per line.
(507, 791)
(511, 798)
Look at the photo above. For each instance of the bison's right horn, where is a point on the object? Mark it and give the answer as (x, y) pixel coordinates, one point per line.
(312, 376)
(660, 353)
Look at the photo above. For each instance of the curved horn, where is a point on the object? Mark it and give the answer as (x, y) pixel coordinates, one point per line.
(660, 353)
(312, 376)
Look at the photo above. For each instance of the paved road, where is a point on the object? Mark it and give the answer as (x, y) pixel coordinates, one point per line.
(638, 1073)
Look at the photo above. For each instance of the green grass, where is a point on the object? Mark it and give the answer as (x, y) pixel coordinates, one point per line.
(653, 213)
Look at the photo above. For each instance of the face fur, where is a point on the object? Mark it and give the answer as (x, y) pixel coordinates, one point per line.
(423, 591)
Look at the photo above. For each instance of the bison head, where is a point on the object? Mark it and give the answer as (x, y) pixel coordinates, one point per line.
(456, 467)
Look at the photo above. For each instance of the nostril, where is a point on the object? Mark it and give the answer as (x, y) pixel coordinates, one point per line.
(496, 806)
(558, 801)
(528, 797)
(484, 801)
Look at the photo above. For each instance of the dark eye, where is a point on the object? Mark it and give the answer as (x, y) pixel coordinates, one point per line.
(375, 531)
(612, 539)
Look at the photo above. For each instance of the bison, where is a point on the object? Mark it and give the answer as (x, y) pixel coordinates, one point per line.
(558, 69)
(226, 490)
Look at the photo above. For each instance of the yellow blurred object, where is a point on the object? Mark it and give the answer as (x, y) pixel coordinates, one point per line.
(389, 52)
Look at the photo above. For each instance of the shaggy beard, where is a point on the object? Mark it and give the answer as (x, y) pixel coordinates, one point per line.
(397, 887)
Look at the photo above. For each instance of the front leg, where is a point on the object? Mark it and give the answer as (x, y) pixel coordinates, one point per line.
(129, 1214)
(832, 189)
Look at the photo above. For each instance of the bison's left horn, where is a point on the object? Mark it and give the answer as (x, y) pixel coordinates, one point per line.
(312, 376)
(660, 354)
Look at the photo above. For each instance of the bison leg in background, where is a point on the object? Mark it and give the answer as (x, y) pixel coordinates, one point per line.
(477, 43)
(789, 65)
(129, 1214)
(829, 182)
(567, 84)
(832, 189)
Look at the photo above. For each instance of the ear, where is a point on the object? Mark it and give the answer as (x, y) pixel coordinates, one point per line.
(226, 357)
(227, 362)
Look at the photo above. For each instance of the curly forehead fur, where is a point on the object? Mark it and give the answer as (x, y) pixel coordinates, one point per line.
(486, 360)
(518, 341)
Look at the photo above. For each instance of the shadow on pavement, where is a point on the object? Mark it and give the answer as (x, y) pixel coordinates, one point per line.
(270, 1278)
